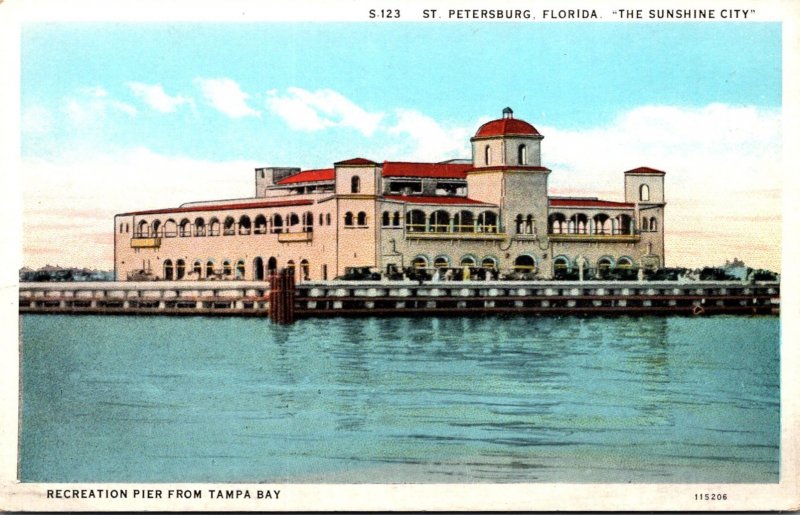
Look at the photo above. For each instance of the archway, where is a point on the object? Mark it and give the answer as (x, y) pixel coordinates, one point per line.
(258, 269)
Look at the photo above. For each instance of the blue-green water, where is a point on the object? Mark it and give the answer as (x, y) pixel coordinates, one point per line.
(159, 399)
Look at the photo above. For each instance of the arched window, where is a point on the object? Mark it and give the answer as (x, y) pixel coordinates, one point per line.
(304, 270)
(522, 154)
(625, 263)
(127, 227)
(602, 224)
(396, 219)
(555, 223)
(244, 225)
(121, 226)
(561, 267)
(489, 262)
(487, 155)
(355, 184)
(213, 227)
(487, 222)
(258, 269)
(290, 267)
(210, 269)
(308, 221)
(419, 262)
(327, 219)
(168, 270)
(441, 262)
(142, 230)
(624, 222)
(180, 269)
(362, 218)
(645, 225)
(386, 219)
(170, 228)
(321, 219)
(277, 223)
(518, 223)
(578, 223)
(156, 227)
(464, 221)
(529, 224)
(644, 192)
(525, 264)
(348, 219)
(272, 264)
(291, 221)
(468, 260)
(197, 269)
(439, 221)
(199, 227)
(229, 229)
(653, 224)
(603, 265)
(260, 224)
(415, 221)
(227, 269)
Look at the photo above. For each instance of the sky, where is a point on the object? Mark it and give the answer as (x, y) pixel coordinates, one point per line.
(118, 117)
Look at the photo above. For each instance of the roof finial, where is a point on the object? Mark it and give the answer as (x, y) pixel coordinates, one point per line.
(508, 113)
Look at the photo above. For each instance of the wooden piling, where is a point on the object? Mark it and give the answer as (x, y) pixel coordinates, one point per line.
(281, 296)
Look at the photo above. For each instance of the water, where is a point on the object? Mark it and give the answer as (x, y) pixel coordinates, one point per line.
(521, 399)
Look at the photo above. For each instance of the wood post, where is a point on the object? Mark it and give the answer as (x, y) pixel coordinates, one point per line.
(281, 296)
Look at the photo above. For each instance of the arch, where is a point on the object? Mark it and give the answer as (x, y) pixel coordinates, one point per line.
(522, 154)
(292, 219)
(529, 224)
(420, 261)
(121, 226)
(244, 225)
(518, 223)
(258, 269)
(604, 264)
(396, 219)
(578, 224)
(624, 223)
(487, 222)
(180, 269)
(624, 262)
(240, 269)
(197, 269)
(386, 219)
(277, 223)
(227, 268)
(653, 224)
(562, 266)
(556, 223)
(602, 224)
(156, 226)
(308, 221)
(291, 268)
(361, 219)
(525, 263)
(142, 229)
(441, 261)
(210, 269)
(260, 225)
(348, 219)
(213, 226)
(321, 219)
(169, 272)
(304, 267)
(487, 155)
(170, 228)
(272, 264)
(644, 193)
(199, 226)
(439, 221)
(355, 184)
(229, 227)
(327, 218)
(415, 221)
(468, 260)
(464, 221)
(489, 263)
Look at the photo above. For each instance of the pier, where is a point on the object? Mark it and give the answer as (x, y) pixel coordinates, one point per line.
(282, 301)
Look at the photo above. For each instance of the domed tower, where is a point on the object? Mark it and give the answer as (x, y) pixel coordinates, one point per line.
(506, 141)
(507, 171)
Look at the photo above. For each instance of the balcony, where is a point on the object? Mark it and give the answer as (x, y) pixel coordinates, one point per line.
(453, 232)
(291, 237)
(145, 243)
(594, 238)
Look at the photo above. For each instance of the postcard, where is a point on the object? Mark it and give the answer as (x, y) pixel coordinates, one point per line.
(399, 256)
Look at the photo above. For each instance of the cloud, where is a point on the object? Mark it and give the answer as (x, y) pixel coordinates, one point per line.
(92, 107)
(36, 121)
(226, 96)
(420, 137)
(305, 110)
(155, 96)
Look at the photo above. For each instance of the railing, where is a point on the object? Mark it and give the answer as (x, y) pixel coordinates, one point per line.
(452, 228)
(145, 243)
(291, 237)
(597, 237)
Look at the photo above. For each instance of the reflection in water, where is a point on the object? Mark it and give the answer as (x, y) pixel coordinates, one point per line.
(516, 399)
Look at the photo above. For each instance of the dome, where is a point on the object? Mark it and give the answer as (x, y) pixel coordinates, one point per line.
(506, 126)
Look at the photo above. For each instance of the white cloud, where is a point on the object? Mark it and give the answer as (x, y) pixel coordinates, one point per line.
(93, 105)
(155, 96)
(36, 121)
(312, 111)
(420, 137)
(226, 96)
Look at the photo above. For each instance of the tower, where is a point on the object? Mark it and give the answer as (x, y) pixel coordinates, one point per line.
(644, 187)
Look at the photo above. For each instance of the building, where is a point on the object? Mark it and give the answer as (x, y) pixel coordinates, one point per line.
(491, 211)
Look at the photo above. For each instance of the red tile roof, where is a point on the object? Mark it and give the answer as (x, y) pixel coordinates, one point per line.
(355, 161)
(506, 127)
(326, 174)
(510, 167)
(435, 170)
(424, 199)
(588, 202)
(646, 169)
(223, 207)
